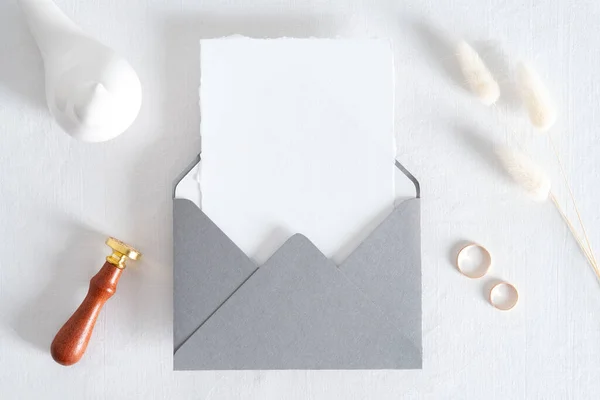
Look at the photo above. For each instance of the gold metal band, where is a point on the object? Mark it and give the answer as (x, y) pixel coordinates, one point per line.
(510, 303)
(482, 270)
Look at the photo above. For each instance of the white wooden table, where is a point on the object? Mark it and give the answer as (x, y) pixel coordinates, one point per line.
(59, 198)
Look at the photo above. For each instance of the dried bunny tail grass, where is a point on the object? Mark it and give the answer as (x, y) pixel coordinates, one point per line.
(524, 171)
(478, 76)
(536, 97)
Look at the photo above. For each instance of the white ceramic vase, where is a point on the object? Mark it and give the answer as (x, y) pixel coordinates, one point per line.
(93, 93)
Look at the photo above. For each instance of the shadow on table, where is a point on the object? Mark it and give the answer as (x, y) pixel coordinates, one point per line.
(455, 249)
(482, 147)
(43, 315)
(21, 68)
(440, 49)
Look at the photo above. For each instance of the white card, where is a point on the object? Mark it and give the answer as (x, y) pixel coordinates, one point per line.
(297, 137)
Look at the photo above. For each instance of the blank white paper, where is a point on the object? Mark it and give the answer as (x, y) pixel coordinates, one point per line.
(297, 137)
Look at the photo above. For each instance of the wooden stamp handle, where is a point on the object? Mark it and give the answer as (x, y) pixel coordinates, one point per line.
(72, 339)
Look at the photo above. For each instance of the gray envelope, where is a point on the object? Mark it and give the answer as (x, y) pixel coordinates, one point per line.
(299, 310)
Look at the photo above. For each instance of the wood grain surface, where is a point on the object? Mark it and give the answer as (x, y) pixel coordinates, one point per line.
(72, 339)
(59, 198)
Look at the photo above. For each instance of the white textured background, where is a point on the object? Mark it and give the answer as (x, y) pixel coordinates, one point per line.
(58, 199)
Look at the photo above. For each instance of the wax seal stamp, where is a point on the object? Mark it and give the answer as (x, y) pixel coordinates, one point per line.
(72, 339)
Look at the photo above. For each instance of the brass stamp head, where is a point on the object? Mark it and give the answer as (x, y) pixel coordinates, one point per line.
(121, 252)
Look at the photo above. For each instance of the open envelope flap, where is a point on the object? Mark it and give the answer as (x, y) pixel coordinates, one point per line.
(208, 267)
(387, 268)
(213, 279)
(298, 311)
